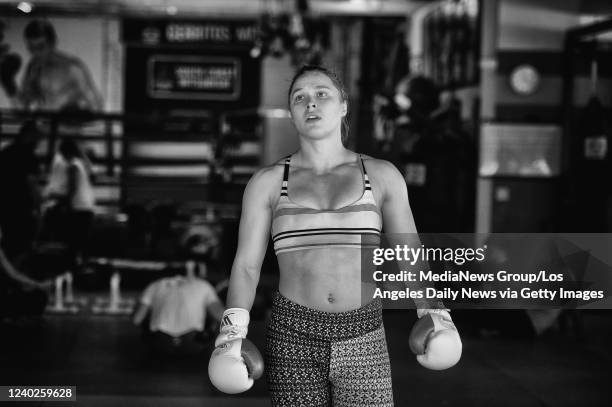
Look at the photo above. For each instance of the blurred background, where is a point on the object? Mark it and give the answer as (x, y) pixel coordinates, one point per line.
(129, 129)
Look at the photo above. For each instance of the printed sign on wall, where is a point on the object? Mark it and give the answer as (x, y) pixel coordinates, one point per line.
(236, 33)
(193, 77)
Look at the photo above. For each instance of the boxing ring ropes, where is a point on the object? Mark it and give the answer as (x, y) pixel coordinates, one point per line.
(65, 302)
(112, 141)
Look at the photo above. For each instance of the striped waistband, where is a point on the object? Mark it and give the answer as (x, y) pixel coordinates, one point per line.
(287, 314)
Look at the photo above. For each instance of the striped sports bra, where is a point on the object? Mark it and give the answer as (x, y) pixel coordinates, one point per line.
(296, 227)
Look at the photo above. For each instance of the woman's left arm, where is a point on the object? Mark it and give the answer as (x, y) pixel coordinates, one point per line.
(399, 225)
(434, 338)
(395, 207)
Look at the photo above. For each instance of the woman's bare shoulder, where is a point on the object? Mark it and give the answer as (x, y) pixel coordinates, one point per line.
(380, 167)
(269, 175)
(264, 185)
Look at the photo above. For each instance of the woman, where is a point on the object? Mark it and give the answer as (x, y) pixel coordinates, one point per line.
(322, 345)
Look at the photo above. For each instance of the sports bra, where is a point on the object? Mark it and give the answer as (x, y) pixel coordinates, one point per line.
(297, 227)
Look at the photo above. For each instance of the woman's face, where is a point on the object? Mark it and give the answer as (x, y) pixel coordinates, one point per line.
(316, 106)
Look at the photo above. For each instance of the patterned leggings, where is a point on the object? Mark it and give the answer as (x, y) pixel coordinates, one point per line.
(316, 358)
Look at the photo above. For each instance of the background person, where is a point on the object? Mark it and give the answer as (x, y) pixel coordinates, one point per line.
(53, 80)
(69, 198)
(19, 174)
(175, 311)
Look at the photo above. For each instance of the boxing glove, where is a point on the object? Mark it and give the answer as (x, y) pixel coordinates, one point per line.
(9, 66)
(435, 340)
(235, 363)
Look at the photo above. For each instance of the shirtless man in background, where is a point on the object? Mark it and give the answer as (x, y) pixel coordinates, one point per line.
(53, 80)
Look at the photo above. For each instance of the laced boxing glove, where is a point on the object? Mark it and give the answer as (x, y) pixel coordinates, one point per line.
(435, 339)
(235, 363)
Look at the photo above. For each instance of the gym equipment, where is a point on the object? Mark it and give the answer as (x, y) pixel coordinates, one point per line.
(62, 302)
(114, 304)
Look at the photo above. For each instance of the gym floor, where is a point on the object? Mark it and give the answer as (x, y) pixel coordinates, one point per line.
(105, 358)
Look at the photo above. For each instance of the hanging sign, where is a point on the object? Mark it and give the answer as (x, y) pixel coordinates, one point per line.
(188, 77)
(201, 32)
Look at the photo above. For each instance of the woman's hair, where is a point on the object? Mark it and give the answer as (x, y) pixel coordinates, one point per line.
(305, 69)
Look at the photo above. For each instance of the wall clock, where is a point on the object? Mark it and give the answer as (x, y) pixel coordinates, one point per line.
(524, 80)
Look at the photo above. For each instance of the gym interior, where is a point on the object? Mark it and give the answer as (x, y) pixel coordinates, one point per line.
(497, 113)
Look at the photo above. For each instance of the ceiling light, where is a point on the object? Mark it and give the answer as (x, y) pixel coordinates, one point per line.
(25, 7)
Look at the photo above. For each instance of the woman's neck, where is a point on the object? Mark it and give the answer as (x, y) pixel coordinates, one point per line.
(322, 155)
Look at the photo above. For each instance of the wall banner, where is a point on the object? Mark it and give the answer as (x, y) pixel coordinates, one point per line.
(193, 77)
(200, 32)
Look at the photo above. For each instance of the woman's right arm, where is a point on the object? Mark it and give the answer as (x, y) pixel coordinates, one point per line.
(253, 235)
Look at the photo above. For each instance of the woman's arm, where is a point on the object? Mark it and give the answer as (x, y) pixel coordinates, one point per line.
(399, 226)
(434, 338)
(397, 215)
(253, 237)
(235, 362)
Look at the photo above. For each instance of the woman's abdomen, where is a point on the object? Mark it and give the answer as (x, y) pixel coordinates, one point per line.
(327, 280)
